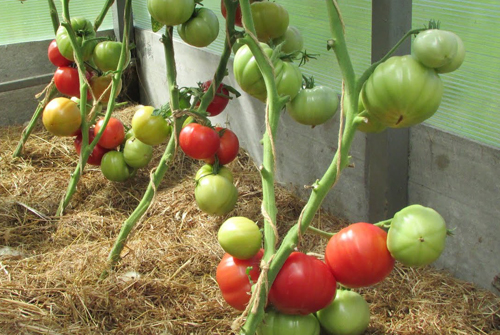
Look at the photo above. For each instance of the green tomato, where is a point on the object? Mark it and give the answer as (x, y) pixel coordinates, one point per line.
(106, 55)
(136, 153)
(84, 30)
(292, 40)
(313, 106)
(288, 77)
(201, 29)
(417, 236)
(276, 323)
(270, 20)
(171, 12)
(402, 92)
(113, 166)
(208, 169)
(240, 237)
(348, 314)
(150, 129)
(456, 61)
(434, 47)
(215, 195)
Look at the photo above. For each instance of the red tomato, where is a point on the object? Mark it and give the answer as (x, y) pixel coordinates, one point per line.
(96, 155)
(237, 19)
(303, 285)
(232, 277)
(358, 255)
(67, 81)
(113, 134)
(219, 102)
(55, 56)
(228, 149)
(198, 141)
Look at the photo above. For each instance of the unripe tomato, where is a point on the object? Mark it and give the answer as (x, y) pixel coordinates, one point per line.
(215, 195)
(270, 19)
(99, 86)
(55, 56)
(136, 153)
(313, 106)
(456, 61)
(150, 129)
(240, 237)
(201, 29)
(84, 30)
(113, 166)
(113, 134)
(61, 117)
(171, 12)
(417, 236)
(199, 141)
(106, 55)
(435, 47)
(276, 323)
(207, 169)
(292, 40)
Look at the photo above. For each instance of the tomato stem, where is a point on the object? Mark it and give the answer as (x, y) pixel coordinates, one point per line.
(319, 232)
(386, 224)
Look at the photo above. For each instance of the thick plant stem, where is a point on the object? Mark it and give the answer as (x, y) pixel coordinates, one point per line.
(53, 15)
(102, 14)
(50, 92)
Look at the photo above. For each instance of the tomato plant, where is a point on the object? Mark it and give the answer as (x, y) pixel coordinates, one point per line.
(199, 141)
(215, 194)
(113, 166)
(233, 280)
(113, 134)
(402, 92)
(220, 100)
(106, 55)
(417, 235)
(99, 86)
(276, 323)
(303, 285)
(313, 106)
(171, 12)
(348, 314)
(67, 81)
(435, 47)
(84, 30)
(358, 255)
(61, 117)
(228, 148)
(270, 20)
(292, 40)
(201, 29)
(240, 237)
(136, 153)
(148, 128)
(96, 156)
(55, 56)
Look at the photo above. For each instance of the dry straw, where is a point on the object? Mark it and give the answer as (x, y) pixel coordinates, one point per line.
(49, 267)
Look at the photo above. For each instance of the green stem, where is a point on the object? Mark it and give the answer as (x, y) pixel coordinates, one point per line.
(54, 15)
(102, 14)
(384, 224)
(319, 232)
(50, 92)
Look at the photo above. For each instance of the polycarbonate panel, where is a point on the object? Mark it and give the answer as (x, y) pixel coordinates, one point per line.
(29, 20)
(471, 103)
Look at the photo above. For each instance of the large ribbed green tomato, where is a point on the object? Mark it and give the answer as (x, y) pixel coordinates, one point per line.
(402, 92)
(201, 29)
(150, 129)
(288, 77)
(292, 40)
(417, 235)
(270, 20)
(313, 106)
(240, 237)
(84, 30)
(348, 314)
(171, 12)
(106, 55)
(435, 47)
(276, 323)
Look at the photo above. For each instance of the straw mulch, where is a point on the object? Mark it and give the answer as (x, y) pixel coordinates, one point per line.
(165, 284)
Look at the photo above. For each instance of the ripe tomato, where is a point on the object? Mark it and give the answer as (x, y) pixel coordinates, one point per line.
(150, 129)
(113, 166)
(207, 169)
(288, 77)
(136, 153)
(276, 323)
(237, 19)
(233, 280)
(198, 141)
(292, 40)
(348, 314)
(84, 30)
(402, 92)
(67, 81)
(435, 47)
(303, 285)
(61, 117)
(201, 29)
(106, 55)
(270, 20)
(171, 12)
(98, 151)
(220, 100)
(99, 85)
(358, 255)
(313, 106)
(417, 236)
(113, 134)
(55, 56)
(228, 149)
(240, 237)
(215, 195)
